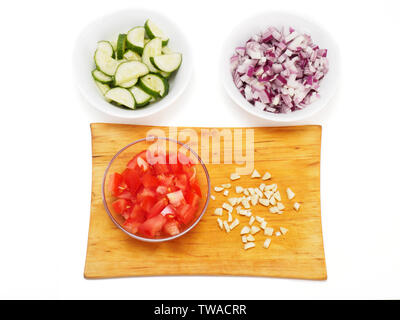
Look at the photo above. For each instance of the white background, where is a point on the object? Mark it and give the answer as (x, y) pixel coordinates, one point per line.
(46, 152)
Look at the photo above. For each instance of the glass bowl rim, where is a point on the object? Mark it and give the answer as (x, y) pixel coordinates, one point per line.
(152, 138)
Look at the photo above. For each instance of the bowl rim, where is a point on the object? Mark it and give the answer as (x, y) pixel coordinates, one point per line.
(152, 109)
(279, 118)
(152, 138)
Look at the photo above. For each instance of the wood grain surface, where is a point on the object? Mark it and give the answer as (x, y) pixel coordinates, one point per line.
(290, 154)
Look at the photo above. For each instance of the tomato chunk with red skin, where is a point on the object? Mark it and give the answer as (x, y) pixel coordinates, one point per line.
(114, 184)
(186, 213)
(172, 227)
(157, 207)
(132, 179)
(121, 205)
(149, 180)
(152, 226)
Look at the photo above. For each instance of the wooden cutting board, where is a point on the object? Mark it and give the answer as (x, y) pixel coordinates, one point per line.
(290, 154)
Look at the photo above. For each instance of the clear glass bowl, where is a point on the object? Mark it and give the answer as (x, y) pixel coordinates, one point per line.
(118, 164)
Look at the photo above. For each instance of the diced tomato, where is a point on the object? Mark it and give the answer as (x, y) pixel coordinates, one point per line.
(152, 226)
(132, 164)
(192, 198)
(196, 188)
(149, 180)
(160, 168)
(138, 214)
(181, 182)
(132, 179)
(144, 193)
(186, 213)
(132, 225)
(126, 195)
(176, 198)
(172, 227)
(120, 205)
(114, 184)
(157, 208)
(167, 181)
(169, 211)
(162, 190)
(147, 203)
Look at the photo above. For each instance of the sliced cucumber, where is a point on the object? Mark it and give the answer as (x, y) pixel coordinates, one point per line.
(121, 46)
(135, 39)
(132, 56)
(105, 63)
(166, 75)
(166, 50)
(122, 97)
(129, 84)
(141, 97)
(167, 62)
(154, 84)
(106, 47)
(129, 70)
(153, 31)
(152, 49)
(101, 77)
(102, 87)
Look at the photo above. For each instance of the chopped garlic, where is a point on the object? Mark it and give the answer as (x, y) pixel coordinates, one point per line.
(250, 238)
(274, 210)
(226, 225)
(277, 196)
(246, 204)
(252, 219)
(283, 230)
(218, 189)
(249, 245)
(259, 192)
(239, 189)
(234, 224)
(221, 225)
(230, 217)
(264, 202)
(269, 231)
(263, 225)
(255, 174)
(280, 206)
(251, 191)
(227, 207)
(296, 206)
(278, 234)
(270, 187)
(259, 219)
(246, 192)
(268, 194)
(254, 200)
(245, 230)
(261, 187)
(233, 201)
(226, 185)
(234, 176)
(218, 212)
(266, 176)
(254, 229)
(267, 242)
(226, 192)
(244, 239)
(212, 197)
(272, 201)
(246, 213)
(290, 194)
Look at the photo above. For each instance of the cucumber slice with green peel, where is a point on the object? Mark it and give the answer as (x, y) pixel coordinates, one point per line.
(105, 63)
(141, 97)
(129, 84)
(166, 50)
(167, 62)
(101, 77)
(132, 56)
(121, 45)
(166, 75)
(151, 49)
(153, 31)
(122, 97)
(129, 70)
(154, 84)
(135, 39)
(102, 87)
(105, 46)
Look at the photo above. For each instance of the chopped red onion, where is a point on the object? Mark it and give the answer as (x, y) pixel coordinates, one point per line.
(279, 71)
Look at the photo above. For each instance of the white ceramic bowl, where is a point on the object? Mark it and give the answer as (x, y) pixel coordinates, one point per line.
(107, 28)
(253, 25)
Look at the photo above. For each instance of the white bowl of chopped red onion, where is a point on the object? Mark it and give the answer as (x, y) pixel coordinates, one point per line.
(280, 67)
